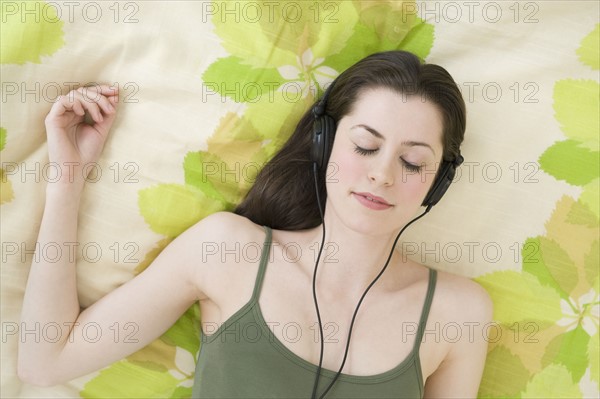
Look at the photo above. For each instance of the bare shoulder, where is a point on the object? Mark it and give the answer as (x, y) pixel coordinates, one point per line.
(226, 226)
(462, 300)
(463, 297)
(205, 241)
(224, 239)
(461, 314)
(216, 248)
(458, 322)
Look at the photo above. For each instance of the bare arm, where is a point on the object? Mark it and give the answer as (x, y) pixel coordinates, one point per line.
(459, 374)
(145, 307)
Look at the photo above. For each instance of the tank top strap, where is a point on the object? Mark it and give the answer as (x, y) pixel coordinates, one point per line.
(426, 308)
(262, 267)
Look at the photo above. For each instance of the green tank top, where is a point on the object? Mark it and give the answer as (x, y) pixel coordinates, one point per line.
(244, 359)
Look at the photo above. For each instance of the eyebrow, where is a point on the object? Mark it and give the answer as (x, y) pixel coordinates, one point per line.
(409, 143)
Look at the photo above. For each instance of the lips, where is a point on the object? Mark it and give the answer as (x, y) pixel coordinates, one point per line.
(374, 198)
(372, 201)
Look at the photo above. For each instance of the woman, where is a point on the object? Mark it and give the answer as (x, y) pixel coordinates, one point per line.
(392, 122)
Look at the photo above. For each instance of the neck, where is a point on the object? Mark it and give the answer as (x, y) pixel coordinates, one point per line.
(351, 260)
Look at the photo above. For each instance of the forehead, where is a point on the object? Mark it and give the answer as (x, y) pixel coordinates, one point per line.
(398, 116)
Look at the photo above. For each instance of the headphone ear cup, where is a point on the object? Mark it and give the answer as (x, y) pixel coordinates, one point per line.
(441, 184)
(323, 132)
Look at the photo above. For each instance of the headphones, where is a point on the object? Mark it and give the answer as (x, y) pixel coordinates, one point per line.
(324, 128)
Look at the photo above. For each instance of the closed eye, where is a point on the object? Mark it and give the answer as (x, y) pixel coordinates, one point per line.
(364, 151)
(411, 167)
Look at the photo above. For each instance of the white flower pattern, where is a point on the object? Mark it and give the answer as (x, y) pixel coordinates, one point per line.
(186, 365)
(585, 310)
(300, 78)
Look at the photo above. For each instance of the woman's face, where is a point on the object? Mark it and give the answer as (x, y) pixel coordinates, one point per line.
(384, 159)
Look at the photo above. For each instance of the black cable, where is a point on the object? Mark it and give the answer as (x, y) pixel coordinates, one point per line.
(313, 396)
(314, 392)
(365, 293)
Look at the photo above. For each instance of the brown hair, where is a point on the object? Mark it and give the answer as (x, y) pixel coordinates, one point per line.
(283, 196)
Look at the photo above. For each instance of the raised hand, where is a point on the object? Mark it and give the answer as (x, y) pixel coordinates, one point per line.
(74, 143)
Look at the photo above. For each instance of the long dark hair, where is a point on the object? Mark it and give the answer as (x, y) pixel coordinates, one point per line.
(283, 196)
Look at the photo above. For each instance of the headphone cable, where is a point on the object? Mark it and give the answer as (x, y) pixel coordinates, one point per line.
(314, 290)
(359, 302)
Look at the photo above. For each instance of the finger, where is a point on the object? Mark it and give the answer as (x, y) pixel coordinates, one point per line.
(105, 105)
(78, 108)
(114, 101)
(104, 126)
(92, 95)
(105, 90)
(64, 104)
(89, 105)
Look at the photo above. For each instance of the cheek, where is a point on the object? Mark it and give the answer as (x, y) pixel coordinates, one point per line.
(344, 166)
(416, 185)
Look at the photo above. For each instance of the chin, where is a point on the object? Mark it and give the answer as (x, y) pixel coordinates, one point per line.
(360, 219)
(370, 225)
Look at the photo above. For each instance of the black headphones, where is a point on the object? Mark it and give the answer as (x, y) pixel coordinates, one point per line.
(324, 128)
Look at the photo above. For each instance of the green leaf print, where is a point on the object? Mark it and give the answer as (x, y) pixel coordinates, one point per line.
(127, 380)
(306, 55)
(591, 262)
(278, 38)
(28, 37)
(559, 274)
(594, 356)
(551, 265)
(156, 371)
(389, 21)
(588, 51)
(186, 332)
(419, 40)
(591, 196)
(2, 138)
(502, 366)
(521, 297)
(181, 392)
(170, 209)
(570, 350)
(552, 382)
(581, 214)
(6, 190)
(569, 160)
(225, 172)
(577, 109)
(242, 83)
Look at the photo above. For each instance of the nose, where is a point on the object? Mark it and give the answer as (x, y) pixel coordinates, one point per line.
(381, 172)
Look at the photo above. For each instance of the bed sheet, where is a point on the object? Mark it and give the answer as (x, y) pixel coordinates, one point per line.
(210, 90)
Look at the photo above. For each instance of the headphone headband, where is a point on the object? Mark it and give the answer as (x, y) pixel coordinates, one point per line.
(319, 108)
(324, 127)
